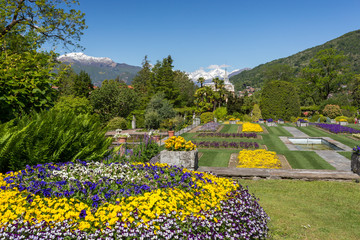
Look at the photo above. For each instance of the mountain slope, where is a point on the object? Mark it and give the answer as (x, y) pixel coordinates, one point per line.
(100, 68)
(348, 43)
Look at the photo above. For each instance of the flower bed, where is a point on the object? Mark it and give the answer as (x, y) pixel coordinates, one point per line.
(209, 127)
(260, 158)
(336, 128)
(251, 127)
(122, 200)
(224, 144)
(227, 135)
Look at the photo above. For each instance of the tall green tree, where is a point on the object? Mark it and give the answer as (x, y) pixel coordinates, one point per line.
(279, 71)
(324, 75)
(48, 20)
(186, 88)
(142, 83)
(83, 85)
(163, 79)
(113, 99)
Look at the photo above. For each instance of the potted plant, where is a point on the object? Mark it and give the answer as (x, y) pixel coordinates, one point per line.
(302, 123)
(355, 160)
(120, 136)
(261, 120)
(155, 135)
(180, 152)
(280, 121)
(270, 122)
(232, 120)
(169, 124)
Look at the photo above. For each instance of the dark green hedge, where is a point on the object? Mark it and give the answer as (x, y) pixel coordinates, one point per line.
(279, 99)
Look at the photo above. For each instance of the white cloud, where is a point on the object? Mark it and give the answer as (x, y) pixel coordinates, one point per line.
(214, 66)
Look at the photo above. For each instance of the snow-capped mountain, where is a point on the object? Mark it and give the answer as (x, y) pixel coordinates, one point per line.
(216, 71)
(100, 68)
(85, 59)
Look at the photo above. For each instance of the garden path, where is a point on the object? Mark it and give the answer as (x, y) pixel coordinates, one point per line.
(332, 157)
(295, 132)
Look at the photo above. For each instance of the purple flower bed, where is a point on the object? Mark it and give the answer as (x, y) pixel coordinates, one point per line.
(240, 217)
(224, 144)
(228, 135)
(336, 128)
(269, 120)
(209, 127)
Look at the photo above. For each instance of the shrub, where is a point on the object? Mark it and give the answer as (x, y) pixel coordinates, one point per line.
(117, 122)
(51, 136)
(332, 111)
(206, 117)
(279, 99)
(256, 113)
(152, 120)
(220, 113)
(77, 104)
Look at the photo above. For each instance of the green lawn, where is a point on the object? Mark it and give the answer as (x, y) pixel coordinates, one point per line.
(309, 210)
(229, 128)
(279, 131)
(317, 132)
(297, 159)
(215, 157)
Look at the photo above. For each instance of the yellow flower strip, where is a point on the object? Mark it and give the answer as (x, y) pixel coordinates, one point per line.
(260, 158)
(251, 127)
(13, 205)
(179, 143)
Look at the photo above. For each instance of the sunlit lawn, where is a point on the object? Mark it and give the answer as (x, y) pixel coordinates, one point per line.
(309, 210)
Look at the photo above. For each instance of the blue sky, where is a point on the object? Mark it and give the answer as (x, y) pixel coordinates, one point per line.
(200, 33)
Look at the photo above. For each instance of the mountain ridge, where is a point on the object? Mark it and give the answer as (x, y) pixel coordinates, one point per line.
(348, 43)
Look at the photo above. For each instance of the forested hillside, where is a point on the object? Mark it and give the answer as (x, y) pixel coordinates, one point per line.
(349, 44)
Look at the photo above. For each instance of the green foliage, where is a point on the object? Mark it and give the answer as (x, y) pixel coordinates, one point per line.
(256, 113)
(26, 81)
(77, 104)
(206, 117)
(142, 83)
(204, 99)
(332, 111)
(158, 107)
(279, 100)
(82, 85)
(152, 120)
(113, 99)
(310, 108)
(348, 119)
(322, 77)
(220, 113)
(186, 88)
(45, 20)
(51, 136)
(117, 123)
(139, 116)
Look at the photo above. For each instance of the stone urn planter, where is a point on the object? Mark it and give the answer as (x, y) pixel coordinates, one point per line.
(270, 124)
(171, 133)
(280, 121)
(122, 139)
(232, 122)
(261, 121)
(355, 163)
(187, 159)
(156, 138)
(343, 123)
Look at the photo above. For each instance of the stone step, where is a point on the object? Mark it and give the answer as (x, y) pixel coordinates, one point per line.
(305, 174)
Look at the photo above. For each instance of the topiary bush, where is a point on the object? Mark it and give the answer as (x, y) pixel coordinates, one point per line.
(220, 113)
(279, 99)
(332, 111)
(51, 136)
(256, 113)
(77, 104)
(116, 123)
(152, 120)
(206, 117)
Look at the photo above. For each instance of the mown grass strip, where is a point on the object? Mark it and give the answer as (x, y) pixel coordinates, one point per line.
(297, 159)
(215, 157)
(278, 131)
(309, 210)
(229, 128)
(317, 132)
